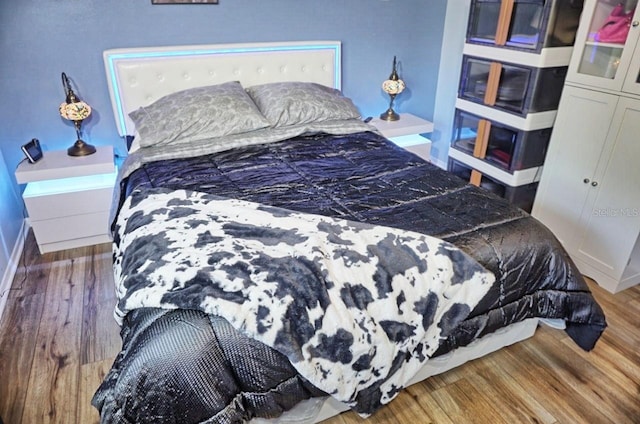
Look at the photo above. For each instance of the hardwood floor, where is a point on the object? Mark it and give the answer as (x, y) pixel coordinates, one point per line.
(58, 339)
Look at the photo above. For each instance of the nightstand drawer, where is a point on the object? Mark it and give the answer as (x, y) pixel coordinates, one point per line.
(42, 207)
(71, 227)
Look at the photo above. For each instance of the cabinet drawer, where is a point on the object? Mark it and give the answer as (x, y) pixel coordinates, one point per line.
(70, 227)
(521, 196)
(512, 88)
(68, 204)
(526, 25)
(502, 146)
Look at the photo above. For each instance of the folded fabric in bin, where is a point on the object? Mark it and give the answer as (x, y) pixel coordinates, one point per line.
(616, 26)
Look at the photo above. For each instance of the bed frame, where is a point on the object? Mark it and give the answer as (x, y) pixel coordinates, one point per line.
(139, 76)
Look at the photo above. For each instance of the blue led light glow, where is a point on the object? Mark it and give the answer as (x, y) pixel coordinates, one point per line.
(409, 140)
(114, 57)
(70, 184)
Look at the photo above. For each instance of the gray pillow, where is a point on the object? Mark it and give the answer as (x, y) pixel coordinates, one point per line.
(295, 103)
(198, 113)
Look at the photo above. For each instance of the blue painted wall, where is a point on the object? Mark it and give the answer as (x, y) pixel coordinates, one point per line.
(40, 39)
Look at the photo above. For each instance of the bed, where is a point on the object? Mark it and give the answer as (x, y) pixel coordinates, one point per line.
(278, 260)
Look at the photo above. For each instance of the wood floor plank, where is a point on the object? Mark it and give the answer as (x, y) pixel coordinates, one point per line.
(433, 383)
(20, 323)
(549, 386)
(619, 368)
(429, 404)
(100, 335)
(517, 406)
(593, 385)
(91, 376)
(465, 403)
(56, 366)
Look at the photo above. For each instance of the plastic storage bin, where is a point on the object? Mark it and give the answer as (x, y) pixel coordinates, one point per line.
(521, 196)
(507, 148)
(520, 89)
(529, 25)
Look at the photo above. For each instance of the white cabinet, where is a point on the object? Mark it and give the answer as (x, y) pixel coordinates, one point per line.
(589, 193)
(608, 60)
(68, 198)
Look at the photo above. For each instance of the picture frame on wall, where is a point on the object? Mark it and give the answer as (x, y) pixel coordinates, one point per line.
(184, 1)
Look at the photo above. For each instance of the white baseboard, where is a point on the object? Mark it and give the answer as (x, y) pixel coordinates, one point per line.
(12, 266)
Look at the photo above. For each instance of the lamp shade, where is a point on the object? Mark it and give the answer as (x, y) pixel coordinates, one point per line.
(393, 86)
(76, 111)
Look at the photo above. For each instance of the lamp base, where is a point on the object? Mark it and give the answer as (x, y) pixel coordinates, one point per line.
(80, 148)
(389, 115)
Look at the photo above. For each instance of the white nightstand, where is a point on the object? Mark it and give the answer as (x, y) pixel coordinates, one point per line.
(405, 133)
(68, 198)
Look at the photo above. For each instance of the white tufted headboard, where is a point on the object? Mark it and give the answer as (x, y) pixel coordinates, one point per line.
(139, 76)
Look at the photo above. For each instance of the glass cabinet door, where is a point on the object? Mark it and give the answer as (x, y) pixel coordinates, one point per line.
(605, 42)
(632, 81)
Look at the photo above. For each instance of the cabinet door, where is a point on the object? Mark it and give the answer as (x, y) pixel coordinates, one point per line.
(632, 80)
(611, 220)
(576, 145)
(605, 41)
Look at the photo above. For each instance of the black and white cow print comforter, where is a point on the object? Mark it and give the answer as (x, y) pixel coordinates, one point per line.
(180, 364)
(353, 306)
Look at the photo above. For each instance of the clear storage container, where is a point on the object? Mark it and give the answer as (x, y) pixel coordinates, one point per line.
(520, 89)
(524, 24)
(507, 148)
(521, 196)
